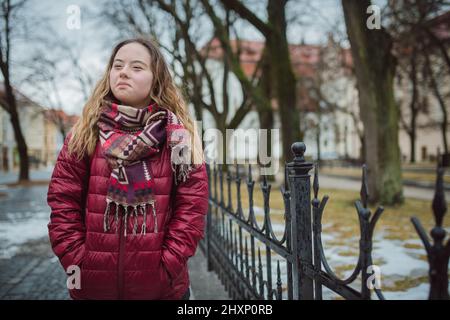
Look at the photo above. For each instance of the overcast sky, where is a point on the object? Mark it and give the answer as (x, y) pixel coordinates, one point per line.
(94, 41)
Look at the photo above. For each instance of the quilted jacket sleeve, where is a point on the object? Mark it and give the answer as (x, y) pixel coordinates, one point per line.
(187, 224)
(66, 194)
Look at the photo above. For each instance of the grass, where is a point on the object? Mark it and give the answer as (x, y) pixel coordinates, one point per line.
(340, 215)
(406, 283)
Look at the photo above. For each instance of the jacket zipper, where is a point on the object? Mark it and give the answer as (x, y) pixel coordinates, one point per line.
(120, 278)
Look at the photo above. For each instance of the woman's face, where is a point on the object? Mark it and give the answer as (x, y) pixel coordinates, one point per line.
(130, 77)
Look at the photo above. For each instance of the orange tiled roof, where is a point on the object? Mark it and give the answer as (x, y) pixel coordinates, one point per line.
(304, 58)
(53, 115)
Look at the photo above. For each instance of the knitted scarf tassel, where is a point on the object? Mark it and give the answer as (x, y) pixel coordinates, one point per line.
(140, 209)
(181, 172)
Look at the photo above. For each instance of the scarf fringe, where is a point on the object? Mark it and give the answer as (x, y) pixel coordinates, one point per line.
(135, 220)
(181, 172)
(140, 209)
(144, 227)
(106, 216)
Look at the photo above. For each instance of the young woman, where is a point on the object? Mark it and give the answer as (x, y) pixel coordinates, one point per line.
(129, 191)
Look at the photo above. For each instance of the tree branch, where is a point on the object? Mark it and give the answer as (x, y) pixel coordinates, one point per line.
(248, 15)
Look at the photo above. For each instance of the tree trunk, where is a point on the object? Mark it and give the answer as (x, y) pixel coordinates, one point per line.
(11, 108)
(412, 141)
(266, 122)
(223, 151)
(413, 106)
(21, 144)
(438, 95)
(282, 73)
(265, 112)
(362, 154)
(375, 69)
(346, 142)
(412, 138)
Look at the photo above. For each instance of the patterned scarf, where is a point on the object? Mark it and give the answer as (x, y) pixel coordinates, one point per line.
(129, 137)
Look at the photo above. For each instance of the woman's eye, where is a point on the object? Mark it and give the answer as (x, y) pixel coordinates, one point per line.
(117, 66)
(137, 68)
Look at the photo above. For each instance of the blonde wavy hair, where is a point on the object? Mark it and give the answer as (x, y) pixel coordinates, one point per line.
(164, 92)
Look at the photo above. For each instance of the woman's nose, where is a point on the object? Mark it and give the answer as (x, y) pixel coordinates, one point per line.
(124, 72)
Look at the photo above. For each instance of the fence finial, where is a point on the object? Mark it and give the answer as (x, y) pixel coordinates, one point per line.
(316, 180)
(298, 149)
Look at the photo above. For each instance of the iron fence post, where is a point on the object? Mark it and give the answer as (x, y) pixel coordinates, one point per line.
(300, 186)
(438, 252)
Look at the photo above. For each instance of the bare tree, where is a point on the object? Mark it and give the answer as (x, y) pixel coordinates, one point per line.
(43, 77)
(327, 90)
(375, 70)
(199, 57)
(417, 38)
(50, 75)
(282, 76)
(9, 13)
(411, 69)
(430, 75)
(190, 59)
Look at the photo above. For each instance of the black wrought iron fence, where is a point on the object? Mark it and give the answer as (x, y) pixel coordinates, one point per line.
(240, 250)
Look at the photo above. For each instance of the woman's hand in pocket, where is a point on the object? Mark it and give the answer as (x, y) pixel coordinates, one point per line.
(165, 276)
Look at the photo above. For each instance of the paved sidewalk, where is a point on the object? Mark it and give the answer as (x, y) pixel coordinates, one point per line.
(34, 273)
(204, 285)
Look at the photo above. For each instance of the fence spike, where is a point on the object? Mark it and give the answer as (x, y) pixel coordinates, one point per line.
(264, 177)
(259, 256)
(221, 183)
(364, 193)
(260, 271)
(279, 283)
(236, 248)
(439, 205)
(316, 180)
(229, 178)
(247, 270)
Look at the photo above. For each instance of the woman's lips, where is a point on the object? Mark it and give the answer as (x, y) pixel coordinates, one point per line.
(123, 85)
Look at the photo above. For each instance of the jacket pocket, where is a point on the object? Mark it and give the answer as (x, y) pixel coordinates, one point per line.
(165, 276)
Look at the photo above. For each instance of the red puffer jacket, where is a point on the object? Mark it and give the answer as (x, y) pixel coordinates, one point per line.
(114, 266)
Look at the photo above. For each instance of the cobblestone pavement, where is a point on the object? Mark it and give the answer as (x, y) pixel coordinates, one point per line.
(28, 267)
(33, 274)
